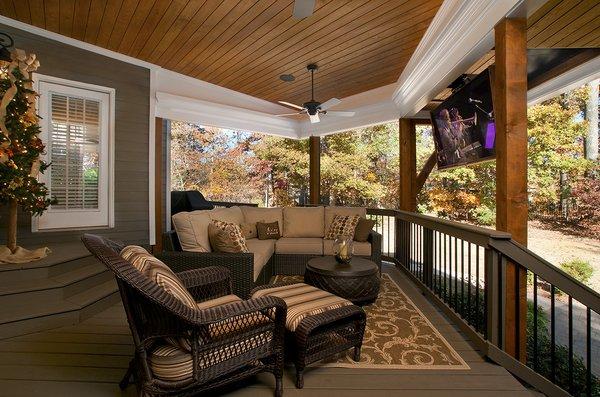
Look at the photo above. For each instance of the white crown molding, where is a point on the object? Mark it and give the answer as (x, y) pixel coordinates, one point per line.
(182, 85)
(461, 32)
(567, 81)
(199, 111)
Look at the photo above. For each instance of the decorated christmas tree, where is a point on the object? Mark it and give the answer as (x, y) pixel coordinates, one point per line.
(20, 145)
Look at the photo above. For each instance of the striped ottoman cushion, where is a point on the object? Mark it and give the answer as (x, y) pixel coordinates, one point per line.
(303, 300)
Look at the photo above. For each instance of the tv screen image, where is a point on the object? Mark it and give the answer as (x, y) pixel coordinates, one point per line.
(464, 130)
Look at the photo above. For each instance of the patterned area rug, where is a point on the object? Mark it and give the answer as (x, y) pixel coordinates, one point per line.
(398, 335)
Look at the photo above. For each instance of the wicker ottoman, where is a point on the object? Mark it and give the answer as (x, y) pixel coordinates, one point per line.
(318, 323)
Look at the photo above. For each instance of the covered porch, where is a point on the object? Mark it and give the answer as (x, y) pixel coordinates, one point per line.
(228, 65)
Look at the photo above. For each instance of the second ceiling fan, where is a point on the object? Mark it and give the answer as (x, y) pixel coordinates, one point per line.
(314, 108)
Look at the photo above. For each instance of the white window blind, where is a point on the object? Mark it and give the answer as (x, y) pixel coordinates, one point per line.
(77, 131)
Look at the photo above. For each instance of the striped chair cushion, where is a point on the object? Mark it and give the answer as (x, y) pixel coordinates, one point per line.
(158, 272)
(172, 363)
(303, 300)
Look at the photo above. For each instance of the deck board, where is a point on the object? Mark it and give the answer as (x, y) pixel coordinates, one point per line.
(90, 358)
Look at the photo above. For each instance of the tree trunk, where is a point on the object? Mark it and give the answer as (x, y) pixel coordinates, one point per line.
(591, 113)
(11, 239)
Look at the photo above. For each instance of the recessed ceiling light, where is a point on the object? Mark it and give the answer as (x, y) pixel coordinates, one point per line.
(287, 77)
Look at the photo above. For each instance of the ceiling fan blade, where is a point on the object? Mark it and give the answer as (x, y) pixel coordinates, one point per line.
(288, 114)
(330, 103)
(340, 113)
(291, 105)
(314, 118)
(303, 8)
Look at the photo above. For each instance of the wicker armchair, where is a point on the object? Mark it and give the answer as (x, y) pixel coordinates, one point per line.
(228, 342)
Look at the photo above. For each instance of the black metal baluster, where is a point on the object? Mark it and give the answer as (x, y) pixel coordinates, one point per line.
(535, 323)
(588, 355)
(388, 236)
(450, 298)
(445, 270)
(462, 278)
(517, 311)
(571, 344)
(477, 327)
(455, 274)
(469, 309)
(552, 333)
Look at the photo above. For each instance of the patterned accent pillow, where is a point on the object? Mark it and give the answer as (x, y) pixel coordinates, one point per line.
(342, 226)
(235, 234)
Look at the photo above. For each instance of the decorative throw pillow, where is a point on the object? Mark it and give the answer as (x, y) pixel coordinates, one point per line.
(158, 272)
(268, 231)
(363, 229)
(248, 230)
(342, 226)
(233, 240)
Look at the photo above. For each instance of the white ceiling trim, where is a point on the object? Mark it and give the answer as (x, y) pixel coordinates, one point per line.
(203, 112)
(461, 32)
(564, 82)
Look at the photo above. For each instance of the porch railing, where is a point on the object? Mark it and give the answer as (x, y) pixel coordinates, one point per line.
(463, 269)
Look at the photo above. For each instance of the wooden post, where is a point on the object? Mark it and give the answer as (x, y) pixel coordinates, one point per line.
(408, 166)
(510, 107)
(315, 170)
(158, 177)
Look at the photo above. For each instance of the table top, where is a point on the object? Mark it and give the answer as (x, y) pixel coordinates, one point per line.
(329, 266)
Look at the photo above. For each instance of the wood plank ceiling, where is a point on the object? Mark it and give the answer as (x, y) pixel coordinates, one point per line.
(246, 45)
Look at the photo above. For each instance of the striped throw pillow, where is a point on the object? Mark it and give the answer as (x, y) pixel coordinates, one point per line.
(158, 272)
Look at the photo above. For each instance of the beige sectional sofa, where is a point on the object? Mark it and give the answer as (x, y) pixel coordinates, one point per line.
(302, 232)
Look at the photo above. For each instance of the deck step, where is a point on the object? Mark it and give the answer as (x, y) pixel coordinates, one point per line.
(55, 292)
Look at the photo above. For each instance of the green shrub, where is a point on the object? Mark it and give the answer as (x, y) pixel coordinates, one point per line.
(579, 269)
(484, 215)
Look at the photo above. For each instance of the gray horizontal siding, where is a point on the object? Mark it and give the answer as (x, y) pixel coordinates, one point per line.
(132, 86)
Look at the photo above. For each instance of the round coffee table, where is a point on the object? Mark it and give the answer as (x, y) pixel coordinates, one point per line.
(357, 281)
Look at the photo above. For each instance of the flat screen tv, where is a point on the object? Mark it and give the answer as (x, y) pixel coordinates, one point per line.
(464, 130)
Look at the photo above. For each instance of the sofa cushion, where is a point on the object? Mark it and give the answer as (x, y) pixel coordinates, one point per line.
(299, 245)
(265, 215)
(342, 226)
(303, 222)
(262, 250)
(192, 230)
(330, 212)
(360, 248)
(303, 300)
(229, 215)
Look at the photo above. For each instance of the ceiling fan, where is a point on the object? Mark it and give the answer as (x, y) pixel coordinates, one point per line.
(303, 8)
(314, 108)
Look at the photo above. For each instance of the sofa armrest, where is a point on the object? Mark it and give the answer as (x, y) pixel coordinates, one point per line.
(376, 241)
(240, 265)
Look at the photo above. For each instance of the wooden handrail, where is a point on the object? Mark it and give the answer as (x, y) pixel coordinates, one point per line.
(552, 274)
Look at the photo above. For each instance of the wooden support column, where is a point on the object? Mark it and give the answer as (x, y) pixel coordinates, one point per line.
(510, 107)
(315, 170)
(408, 166)
(158, 185)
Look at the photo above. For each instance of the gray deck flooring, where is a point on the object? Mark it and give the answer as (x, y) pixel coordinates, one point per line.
(89, 359)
